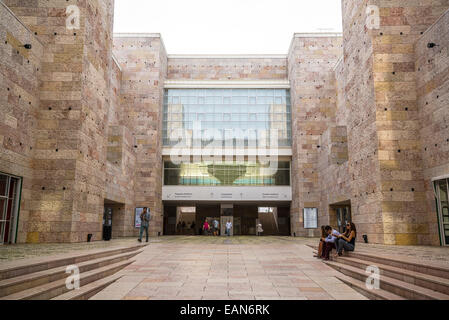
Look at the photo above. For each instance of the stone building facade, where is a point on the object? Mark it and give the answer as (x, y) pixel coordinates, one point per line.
(81, 122)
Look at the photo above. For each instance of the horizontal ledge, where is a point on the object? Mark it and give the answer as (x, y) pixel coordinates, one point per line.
(272, 84)
(227, 56)
(136, 35)
(318, 35)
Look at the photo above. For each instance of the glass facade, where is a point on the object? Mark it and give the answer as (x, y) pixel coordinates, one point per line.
(251, 110)
(225, 174)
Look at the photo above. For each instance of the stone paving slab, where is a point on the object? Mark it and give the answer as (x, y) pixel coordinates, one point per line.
(243, 268)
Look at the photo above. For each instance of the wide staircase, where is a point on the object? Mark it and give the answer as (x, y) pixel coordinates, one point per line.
(45, 278)
(400, 278)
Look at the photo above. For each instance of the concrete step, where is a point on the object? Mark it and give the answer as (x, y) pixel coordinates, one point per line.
(360, 287)
(424, 267)
(89, 290)
(53, 289)
(405, 263)
(419, 279)
(27, 281)
(398, 287)
(23, 267)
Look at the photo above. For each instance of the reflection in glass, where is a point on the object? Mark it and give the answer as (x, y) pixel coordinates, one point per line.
(247, 109)
(225, 174)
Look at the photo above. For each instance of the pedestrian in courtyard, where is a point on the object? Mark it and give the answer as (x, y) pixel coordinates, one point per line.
(206, 227)
(322, 242)
(346, 241)
(329, 242)
(216, 225)
(228, 228)
(145, 222)
(259, 229)
(193, 228)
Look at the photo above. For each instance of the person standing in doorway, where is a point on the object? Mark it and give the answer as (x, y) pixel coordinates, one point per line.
(145, 222)
(216, 225)
(228, 228)
(259, 229)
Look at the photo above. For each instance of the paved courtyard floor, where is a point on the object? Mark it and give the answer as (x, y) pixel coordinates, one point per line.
(239, 268)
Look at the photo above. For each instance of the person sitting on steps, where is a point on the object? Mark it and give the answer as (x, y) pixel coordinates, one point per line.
(321, 244)
(346, 241)
(329, 242)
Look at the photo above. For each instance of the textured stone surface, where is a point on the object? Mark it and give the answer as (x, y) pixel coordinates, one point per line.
(369, 117)
(19, 105)
(144, 68)
(311, 62)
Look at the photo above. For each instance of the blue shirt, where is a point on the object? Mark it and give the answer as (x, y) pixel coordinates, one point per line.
(332, 237)
(146, 219)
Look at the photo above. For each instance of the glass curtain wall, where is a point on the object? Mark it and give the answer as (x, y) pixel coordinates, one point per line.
(254, 110)
(225, 174)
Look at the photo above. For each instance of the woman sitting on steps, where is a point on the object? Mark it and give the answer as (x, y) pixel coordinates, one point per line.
(346, 241)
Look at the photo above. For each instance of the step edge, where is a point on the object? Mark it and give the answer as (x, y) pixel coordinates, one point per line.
(61, 269)
(398, 283)
(413, 274)
(384, 294)
(86, 289)
(61, 282)
(57, 258)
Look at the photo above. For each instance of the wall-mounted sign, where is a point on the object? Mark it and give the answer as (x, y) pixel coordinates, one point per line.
(137, 221)
(310, 218)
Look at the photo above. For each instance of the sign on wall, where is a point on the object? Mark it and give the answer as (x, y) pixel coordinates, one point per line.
(310, 218)
(137, 221)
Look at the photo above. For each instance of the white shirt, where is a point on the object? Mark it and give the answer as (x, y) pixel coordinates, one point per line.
(229, 225)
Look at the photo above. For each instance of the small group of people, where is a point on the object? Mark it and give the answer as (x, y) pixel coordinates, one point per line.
(213, 228)
(332, 239)
(185, 228)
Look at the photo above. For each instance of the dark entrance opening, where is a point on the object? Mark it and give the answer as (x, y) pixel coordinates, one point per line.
(188, 219)
(340, 214)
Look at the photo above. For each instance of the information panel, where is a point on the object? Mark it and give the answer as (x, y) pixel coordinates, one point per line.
(310, 218)
(137, 221)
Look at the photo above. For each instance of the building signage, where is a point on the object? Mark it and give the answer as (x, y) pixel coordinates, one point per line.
(137, 221)
(310, 218)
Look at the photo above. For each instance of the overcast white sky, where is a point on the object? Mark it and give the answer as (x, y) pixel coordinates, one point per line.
(227, 26)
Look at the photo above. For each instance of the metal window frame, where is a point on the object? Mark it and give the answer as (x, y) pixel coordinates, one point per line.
(15, 211)
(439, 208)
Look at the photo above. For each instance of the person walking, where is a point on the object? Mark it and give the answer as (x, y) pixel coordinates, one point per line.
(144, 223)
(259, 229)
(206, 227)
(228, 228)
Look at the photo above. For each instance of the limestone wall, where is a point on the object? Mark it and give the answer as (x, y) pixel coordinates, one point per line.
(144, 67)
(264, 68)
(311, 61)
(432, 81)
(19, 105)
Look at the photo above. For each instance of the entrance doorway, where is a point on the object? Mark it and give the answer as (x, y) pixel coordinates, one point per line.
(188, 219)
(442, 193)
(9, 207)
(340, 215)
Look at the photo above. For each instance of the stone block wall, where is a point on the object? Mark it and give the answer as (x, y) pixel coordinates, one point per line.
(383, 127)
(310, 62)
(432, 82)
(144, 67)
(228, 68)
(19, 105)
(69, 156)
